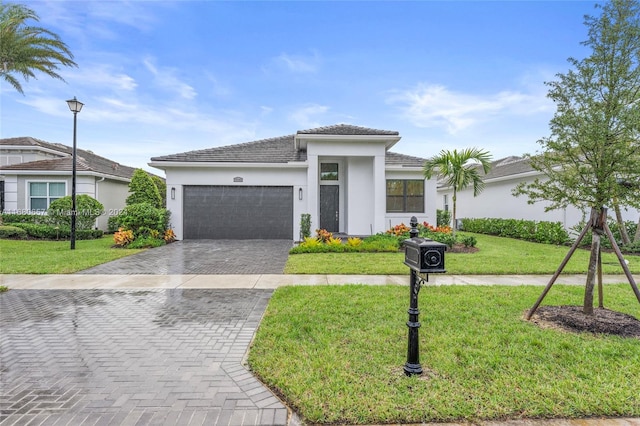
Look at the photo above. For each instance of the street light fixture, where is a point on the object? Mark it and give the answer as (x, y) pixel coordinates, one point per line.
(75, 106)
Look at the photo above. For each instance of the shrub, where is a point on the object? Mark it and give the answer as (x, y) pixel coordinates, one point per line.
(143, 190)
(88, 209)
(305, 225)
(469, 241)
(24, 218)
(142, 218)
(631, 248)
(335, 242)
(615, 230)
(8, 231)
(122, 237)
(354, 242)
(169, 236)
(443, 218)
(161, 184)
(539, 232)
(146, 242)
(323, 235)
(49, 232)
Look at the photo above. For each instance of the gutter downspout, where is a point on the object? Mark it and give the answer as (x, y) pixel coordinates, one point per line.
(97, 182)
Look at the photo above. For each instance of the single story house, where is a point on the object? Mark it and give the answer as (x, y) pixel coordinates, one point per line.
(344, 176)
(497, 201)
(33, 173)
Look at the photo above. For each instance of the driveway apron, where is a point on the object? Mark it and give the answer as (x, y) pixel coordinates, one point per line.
(204, 257)
(130, 357)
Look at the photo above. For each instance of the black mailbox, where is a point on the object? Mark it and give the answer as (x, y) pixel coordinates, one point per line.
(424, 255)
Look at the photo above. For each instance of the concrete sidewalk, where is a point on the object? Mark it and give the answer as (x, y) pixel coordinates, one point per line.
(267, 281)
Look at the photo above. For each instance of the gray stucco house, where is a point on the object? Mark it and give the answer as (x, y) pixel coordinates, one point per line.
(344, 176)
(33, 173)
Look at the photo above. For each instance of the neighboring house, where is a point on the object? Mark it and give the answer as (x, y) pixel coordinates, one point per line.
(497, 201)
(344, 176)
(33, 173)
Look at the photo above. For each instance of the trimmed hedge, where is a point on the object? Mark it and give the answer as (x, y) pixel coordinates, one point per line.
(25, 218)
(12, 232)
(529, 230)
(48, 232)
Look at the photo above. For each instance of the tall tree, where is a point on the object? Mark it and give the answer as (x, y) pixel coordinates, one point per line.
(27, 49)
(460, 169)
(594, 142)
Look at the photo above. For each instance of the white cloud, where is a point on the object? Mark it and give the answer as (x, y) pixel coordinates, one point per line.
(101, 76)
(436, 106)
(304, 117)
(166, 79)
(299, 64)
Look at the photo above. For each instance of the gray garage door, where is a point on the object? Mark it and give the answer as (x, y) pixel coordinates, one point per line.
(238, 212)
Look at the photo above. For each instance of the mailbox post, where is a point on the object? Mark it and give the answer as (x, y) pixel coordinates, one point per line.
(422, 256)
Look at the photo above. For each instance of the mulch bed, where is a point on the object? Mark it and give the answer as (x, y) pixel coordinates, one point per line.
(461, 248)
(572, 319)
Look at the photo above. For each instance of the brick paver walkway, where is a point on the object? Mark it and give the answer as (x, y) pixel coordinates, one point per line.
(106, 357)
(208, 257)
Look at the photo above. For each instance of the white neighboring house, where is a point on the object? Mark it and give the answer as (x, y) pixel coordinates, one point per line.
(344, 176)
(497, 201)
(33, 173)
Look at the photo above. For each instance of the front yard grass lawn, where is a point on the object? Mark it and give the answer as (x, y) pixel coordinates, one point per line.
(55, 257)
(335, 353)
(496, 256)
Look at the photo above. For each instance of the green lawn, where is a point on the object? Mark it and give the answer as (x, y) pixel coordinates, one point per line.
(336, 355)
(55, 257)
(496, 255)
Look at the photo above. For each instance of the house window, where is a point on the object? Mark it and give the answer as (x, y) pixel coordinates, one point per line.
(405, 196)
(329, 171)
(445, 202)
(41, 194)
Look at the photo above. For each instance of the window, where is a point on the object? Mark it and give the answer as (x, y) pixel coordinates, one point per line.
(445, 202)
(405, 196)
(328, 171)
(41, 194)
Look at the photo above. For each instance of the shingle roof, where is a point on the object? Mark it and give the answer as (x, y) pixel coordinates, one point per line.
(87, 161)
(272, 150)
(282, 149)
(393, 158)
(346, 130)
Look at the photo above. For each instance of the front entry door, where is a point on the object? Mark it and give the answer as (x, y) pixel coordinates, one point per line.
(329, 207)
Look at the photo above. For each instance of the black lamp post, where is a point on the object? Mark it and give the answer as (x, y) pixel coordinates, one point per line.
(75, 106)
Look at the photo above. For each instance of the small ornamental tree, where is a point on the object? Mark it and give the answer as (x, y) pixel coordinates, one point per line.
(142, 189)
(162, 189)
(88, 209)
(594, 144)
(460, 169)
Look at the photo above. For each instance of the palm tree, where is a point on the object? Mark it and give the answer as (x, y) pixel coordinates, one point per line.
(25, 49)
(460, 170)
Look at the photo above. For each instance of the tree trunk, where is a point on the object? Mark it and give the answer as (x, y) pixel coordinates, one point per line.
(637, 236)
(597, 217)
(455, 225)
(621, 227)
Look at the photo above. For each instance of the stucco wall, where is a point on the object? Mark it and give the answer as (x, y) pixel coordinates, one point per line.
(112, 194)
(262, 176)
(497, 201)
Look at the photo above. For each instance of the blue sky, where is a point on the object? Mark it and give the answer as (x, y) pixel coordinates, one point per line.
(160, 77)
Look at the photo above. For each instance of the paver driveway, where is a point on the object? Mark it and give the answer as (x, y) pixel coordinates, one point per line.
(206, 257)
(103, 357)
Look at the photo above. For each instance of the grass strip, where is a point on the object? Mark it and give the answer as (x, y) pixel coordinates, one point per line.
(336, 354)
(496, 255)
(56, 257)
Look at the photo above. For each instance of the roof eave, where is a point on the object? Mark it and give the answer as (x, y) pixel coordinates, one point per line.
(63, 173)
(164, 164)
(301, 140)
